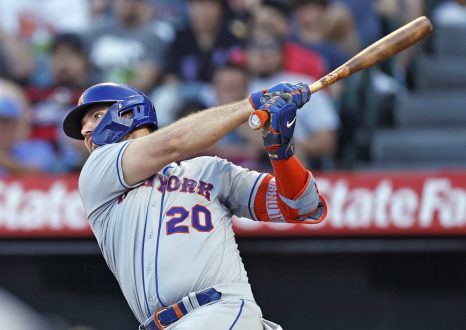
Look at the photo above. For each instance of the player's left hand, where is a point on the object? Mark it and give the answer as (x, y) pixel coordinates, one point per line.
(278, 132)
(300, 94)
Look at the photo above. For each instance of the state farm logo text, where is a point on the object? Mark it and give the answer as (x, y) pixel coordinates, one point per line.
(54, 207)
(438, 202)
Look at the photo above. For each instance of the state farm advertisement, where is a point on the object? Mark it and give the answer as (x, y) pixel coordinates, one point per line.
(382, 204)
(360, 204)
(42, 207)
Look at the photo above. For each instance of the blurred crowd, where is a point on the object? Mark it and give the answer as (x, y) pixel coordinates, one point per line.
(188, 55)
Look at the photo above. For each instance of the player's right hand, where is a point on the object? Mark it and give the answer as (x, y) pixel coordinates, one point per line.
(300, 94)
(278, 132)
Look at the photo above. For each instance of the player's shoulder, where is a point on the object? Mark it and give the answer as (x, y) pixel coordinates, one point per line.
(108, 152)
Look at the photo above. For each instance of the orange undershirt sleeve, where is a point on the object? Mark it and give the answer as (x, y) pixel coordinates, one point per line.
(290, 175)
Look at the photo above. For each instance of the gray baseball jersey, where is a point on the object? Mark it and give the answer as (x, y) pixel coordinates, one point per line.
(171, 234)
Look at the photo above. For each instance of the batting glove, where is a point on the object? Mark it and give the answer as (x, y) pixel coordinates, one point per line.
(300, 94)
(278, 134)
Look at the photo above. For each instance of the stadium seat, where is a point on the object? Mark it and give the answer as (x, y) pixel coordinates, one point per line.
(419, 145)
(449, 41)
(440, 73)
(431, 109)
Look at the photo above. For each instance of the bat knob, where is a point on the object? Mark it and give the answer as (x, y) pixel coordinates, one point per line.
(258, 119)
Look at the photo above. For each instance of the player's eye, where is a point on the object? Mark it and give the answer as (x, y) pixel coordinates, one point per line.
(98, 115)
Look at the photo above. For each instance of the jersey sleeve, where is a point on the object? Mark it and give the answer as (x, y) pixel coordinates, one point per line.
(237, 188)
(254, 195)
(101, 179)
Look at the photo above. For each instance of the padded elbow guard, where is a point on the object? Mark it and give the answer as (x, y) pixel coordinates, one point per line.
(308, 207)
(306, 203)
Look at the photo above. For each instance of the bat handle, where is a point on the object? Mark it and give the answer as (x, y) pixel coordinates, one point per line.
(258, 119)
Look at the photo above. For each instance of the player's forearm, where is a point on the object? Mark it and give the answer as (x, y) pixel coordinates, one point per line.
(147, 155)
(290, 175)
(202, 129)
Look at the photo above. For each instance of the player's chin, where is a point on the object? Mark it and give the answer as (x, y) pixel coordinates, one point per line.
(90, 146)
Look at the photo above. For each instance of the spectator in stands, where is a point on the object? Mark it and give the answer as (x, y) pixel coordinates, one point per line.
(243, 146)
(70, 62)
(317, 124)
(34, 24)
(273, 15)
(29, 18)
(205, 44)
(393, 14)
(11, 90)
(310, 30)
(366, 19)
(340, 28)
(173, 12)
(243, 7)
(128, 47)
(450, 13)
(70, 74)
(19, 155)
(230, 83)
(239, 15)
(198, 49)
(16, 60)
(99, 10)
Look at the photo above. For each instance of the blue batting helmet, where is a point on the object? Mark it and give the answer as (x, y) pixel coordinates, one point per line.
(129, 109)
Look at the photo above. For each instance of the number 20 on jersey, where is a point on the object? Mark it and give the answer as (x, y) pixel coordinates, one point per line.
(201, 220)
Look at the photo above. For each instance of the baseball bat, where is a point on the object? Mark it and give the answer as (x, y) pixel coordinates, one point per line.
(380, 50)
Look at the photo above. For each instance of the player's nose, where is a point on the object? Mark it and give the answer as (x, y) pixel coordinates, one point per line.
(87, 129)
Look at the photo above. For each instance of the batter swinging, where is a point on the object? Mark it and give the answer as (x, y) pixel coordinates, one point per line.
(165, 228)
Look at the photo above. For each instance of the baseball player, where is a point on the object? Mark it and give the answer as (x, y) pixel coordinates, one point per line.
(165, 228)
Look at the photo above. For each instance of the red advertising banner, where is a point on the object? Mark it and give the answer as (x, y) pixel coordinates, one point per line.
(382, 204)
(360, 204)
(34, 206)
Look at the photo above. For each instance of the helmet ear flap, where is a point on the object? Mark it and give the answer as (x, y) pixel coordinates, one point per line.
(123, 117)
(111, 127)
